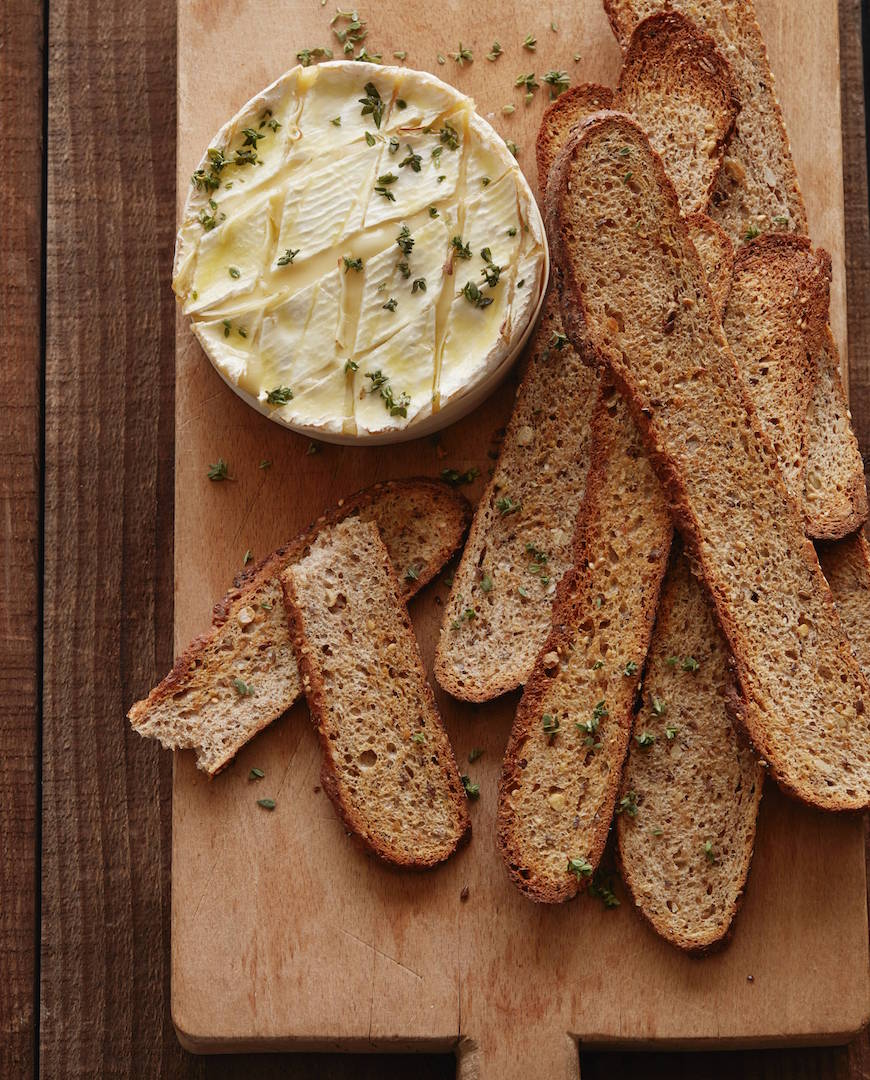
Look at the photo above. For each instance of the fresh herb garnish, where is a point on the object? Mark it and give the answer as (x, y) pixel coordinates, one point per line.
(391, 304)
(370, 139)
(419, 285)
(307, 56)
(279, 396)
(350, 366)
(751, 233)
(628, 804)
(383, 186)
(580, 868)
(486, 583)
(372, 105)
(495, 52)
(645, 740)
(528, 81)
(630, 669)
(450, 137)
(671, 733)
(256, 774)
(473, 754)
(418, 737)
(404, 241)
(512, 146)
(267, 804)
(551, 725)
(414, 161)
(558, 81)
(474, 296)
(709, 853)
(380, 384)
(433, 211)
(530, 42)
(506, 505)
(336, 121)
(247, 557)
(350, 263)
(463, 55)
(472, 790)
(460, 250)
(243, 689)
(412, 573)
(289, 255)
(603, 891)
(265, 464)
(658, 706)
(455, 478)
(219, 470)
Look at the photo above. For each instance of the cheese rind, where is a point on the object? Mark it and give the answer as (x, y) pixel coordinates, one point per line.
(321, 222)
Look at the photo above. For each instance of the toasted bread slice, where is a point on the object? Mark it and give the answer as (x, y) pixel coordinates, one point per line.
(387, 762)
(835, 492)
(561, 117)
(520, 542)
(846, 566)
(677, 84)
(757, 189)
(716, 253)
(775, 322)
(654, 326)
(564, 757)
(691, 779)
(234, 681)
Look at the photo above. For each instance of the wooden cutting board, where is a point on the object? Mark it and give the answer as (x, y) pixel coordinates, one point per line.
(283, 935)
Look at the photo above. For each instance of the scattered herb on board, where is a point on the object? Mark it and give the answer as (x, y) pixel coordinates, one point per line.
(508, 109)
(247, 558)
(456, 478)
(558, 81)
(628, 804)
(400, 55)
(463, 55)
(312, 449)
(441, 58)
(267, 804)
(289, 255)
(265, 464)
(645, 740)
(602, 890)
(351, 29)
(495, 52)
(279, 396)
(580, 868)
(219, 470)
(523, 591)
(577, 58)
(308, 56)
(512, 146)
(368, 58)
(527, 81)
(256, 774)
(530, 42)
(472, 790)
(473, 754)
(243, 689)
(630, 669)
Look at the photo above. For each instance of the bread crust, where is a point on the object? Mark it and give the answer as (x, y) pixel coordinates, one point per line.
(577, 101)
(789, 773)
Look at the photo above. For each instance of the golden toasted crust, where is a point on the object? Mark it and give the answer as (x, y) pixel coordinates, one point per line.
(560, 117)
(388, 766)
(705, 440)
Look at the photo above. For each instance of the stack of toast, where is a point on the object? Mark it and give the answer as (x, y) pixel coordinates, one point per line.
(668, 558)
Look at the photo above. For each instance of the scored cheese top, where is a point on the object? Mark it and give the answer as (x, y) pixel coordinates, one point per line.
(358, 249)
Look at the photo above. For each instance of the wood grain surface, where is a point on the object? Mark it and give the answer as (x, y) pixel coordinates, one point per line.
(386, 961)
(21, 116)
(108, 558)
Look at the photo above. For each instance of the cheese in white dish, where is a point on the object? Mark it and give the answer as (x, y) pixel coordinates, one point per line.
(359, 250)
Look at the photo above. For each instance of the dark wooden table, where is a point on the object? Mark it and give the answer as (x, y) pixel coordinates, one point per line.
(87, 117)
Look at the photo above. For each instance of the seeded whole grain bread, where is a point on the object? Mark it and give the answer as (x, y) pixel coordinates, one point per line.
(775, 322)
(564, 758)
(716, 253)
(677, 85)
(802, 695)
(691, 779)
(758, 187)
(835, 492)
(757, 192)
(846, 566)
(388, 766)
(234, 681)
(520, 543)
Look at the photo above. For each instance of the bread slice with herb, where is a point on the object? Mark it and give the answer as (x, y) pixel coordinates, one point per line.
(835, 492)
(775, 323)
(692, 783)
(567, 745)
(561, 117)
(757, 189)
(846, 566)
(654, 326)
(388, 766)
(680, 89)
(234, 681)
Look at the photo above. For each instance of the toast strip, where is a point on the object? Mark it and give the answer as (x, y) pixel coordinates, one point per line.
(846, 566)
(235, 680)
(564, 758)
(387, 762)
(691, 780)
(775, 323)
(677, 84)
(655, 329)
(757, 192)
(520, 542)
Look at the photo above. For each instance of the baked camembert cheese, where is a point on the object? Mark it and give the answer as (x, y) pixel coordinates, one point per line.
(359, 248)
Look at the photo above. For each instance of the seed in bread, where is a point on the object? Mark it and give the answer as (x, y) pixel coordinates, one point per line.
(387, 762)
(564, 757)
(678, 86)
(654, 326)
(699, 781)
(234, 681)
